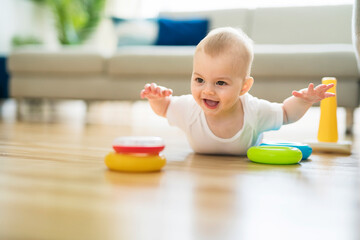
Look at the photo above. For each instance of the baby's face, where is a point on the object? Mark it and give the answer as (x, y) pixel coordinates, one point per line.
(215, 84)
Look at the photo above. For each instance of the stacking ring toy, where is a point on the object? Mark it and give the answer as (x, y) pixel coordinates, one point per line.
(305, 149)
(136, 154)
(274, 155)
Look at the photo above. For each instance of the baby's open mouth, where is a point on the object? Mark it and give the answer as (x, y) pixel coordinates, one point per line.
(210, 103)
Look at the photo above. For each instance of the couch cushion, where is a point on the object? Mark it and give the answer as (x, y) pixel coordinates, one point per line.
(59, 61)
(152, 60)
(305, 60)
(302, 25)
(238, 18)
(135, 31)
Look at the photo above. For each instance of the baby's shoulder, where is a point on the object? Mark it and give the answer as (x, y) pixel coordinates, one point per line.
(186, 105)
(182, 102)
(182, 111)
(250, 102)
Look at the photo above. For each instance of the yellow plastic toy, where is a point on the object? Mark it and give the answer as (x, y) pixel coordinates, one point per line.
(134, 162)
(136, 154)
(328, 131)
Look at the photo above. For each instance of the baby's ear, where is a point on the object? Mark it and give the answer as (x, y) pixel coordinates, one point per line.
(247, 85)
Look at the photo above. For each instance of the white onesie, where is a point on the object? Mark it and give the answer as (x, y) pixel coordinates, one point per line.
(259, 116)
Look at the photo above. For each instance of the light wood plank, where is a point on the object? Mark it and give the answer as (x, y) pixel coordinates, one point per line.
(54, 183)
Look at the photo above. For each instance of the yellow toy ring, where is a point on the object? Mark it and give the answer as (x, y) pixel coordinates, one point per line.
(134, 162)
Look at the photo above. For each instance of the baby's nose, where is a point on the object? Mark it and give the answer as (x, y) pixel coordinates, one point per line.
(209, 89)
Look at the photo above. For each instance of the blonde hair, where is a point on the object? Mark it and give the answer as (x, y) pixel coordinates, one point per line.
(230, 41)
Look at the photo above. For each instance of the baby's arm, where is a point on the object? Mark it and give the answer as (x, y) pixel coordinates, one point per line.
(296, 106)
(159, 98)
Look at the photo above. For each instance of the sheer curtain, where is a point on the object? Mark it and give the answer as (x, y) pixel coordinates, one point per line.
(151, 8)
(134, 8)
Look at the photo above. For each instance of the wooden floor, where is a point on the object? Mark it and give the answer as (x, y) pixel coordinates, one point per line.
(54, 183)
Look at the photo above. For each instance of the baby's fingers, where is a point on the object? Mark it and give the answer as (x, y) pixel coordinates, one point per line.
(165, 92)
(143, 93)
(323, 87)
(328, 86)
(153, 91)
(297, 94)
(329, 94)
(321, 91)
(149, 91)
(310, 88)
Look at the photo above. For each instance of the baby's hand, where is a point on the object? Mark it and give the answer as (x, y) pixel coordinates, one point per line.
(313, 95)
(152, 91)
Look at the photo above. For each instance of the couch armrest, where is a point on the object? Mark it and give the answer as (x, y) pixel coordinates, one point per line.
(356, 30)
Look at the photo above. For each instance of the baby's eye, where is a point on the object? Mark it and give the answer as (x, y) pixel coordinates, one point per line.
(199, 80)
(221, 83)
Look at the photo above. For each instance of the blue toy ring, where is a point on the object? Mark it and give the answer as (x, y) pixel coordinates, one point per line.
(274, 155)
(305, 149)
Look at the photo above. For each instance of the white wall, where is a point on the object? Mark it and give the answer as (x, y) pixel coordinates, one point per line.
(24, 18)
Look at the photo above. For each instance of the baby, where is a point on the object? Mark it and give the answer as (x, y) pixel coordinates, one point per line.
(220, 116)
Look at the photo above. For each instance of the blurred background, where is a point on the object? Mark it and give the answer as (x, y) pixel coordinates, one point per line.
(38, 21)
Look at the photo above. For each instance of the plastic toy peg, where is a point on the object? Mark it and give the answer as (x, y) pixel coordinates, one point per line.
(328, 131)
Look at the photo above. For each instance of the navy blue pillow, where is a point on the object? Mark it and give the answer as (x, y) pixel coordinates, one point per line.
(181, 32)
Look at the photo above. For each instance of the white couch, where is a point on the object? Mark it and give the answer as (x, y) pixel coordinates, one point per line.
(293, 47)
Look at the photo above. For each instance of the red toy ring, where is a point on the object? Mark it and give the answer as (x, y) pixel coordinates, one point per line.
(136, 144)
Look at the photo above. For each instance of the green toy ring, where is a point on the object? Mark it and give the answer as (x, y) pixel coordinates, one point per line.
(274, 155)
